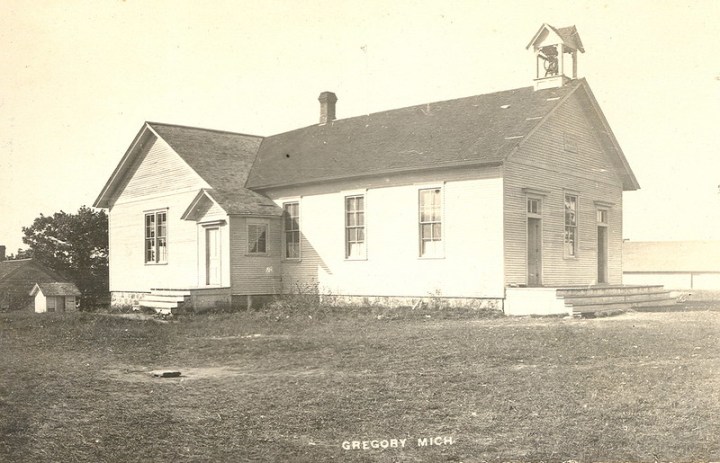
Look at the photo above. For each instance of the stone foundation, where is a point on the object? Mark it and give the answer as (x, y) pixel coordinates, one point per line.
(126, 299)
(403, 301)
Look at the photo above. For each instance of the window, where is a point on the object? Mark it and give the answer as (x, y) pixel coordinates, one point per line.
(533, 206)
(354, 227)
(292, 230)
(570, 225)
(430, 223)
(156, 237)
(257, 238)
(602, 216)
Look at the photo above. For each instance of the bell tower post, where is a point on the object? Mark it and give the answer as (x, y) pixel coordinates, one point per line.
(555, 52)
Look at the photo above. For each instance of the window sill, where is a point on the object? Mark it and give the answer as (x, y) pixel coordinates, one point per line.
(257, 254)
(291, 260)
(431, 257)
(356, 259)
(152, 264)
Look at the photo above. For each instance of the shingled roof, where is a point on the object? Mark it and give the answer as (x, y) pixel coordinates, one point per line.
(481, 129)
(56, 289)
(223, 160)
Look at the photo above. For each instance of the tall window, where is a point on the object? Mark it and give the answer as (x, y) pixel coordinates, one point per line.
(355, 227)
(430, 223)
(292, 230)
(257, 238)
(156, 237)
(570, 225)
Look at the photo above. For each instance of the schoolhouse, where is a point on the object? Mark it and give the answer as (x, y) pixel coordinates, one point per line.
(504, 200)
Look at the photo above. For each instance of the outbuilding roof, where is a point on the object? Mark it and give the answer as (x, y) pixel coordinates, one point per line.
(671, 256)
(56, 289)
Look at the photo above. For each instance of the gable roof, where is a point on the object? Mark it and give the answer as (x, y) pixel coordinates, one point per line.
(9, 268)
(56, 289)
(477, 130)
(234, 202)
(671, 256)
(223, 159)
(569, 36)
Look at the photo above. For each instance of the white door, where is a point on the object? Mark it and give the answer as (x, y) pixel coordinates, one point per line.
(213, 263)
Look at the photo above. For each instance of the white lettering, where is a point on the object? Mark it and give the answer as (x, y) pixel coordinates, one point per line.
(374, 444)
(365, 445)
(384, 444)
(402, 443)
(448, 441)
(356, 445)
(422, 442)
(346, 445)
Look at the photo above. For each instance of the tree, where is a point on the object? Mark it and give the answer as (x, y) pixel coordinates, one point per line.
(75, 245)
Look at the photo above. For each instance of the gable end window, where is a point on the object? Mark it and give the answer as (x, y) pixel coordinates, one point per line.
(571, 234)
(355, 227)
(291, 213)
(156, 237)
(257, 238)
(430, 222)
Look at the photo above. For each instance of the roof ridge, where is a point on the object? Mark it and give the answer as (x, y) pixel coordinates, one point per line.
(418, 105)
(165, 124)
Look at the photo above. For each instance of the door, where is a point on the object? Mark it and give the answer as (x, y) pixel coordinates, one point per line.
(534, 251)
(213, 263)
(602, 254)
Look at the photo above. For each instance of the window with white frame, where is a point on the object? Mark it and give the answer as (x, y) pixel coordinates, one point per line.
(534, 206)
(156, 237)
(257, 238)
(355, 227)
(571, 233)
(430, 221)
(292, 230)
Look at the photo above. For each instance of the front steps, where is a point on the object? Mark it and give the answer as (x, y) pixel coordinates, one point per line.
(594, 301)
(165, 301)
(585, 301)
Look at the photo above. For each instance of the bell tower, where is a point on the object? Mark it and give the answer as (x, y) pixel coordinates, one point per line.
(555, 52)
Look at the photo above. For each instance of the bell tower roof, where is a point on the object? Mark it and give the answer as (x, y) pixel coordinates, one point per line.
(549, 35)
(555, 51)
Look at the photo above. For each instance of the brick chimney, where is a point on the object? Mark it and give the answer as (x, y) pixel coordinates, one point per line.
(2, 253)
(327, 107)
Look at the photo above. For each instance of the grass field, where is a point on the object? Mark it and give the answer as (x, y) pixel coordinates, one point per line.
(262, 387)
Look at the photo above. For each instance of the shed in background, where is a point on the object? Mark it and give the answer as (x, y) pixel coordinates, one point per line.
(679, 265)
(55, 297)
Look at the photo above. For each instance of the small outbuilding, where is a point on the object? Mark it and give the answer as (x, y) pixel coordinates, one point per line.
(55, 297)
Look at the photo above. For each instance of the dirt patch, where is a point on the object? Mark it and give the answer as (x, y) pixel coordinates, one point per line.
(139, 374)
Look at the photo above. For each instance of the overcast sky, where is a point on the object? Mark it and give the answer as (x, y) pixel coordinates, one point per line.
(78, 79)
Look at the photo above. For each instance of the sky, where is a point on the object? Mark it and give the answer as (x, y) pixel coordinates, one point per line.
(79, 78)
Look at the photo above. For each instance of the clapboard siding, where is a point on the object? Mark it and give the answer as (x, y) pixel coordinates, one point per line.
(472, 265)
(255, 274)
(160, 180)
(158, 170)
(128, 270)
(543, 163)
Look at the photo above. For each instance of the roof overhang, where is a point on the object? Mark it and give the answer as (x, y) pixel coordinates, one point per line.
(199, 205)
(104, 199)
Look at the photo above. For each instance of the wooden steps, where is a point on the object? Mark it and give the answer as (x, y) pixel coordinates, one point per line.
(593, 301)
(164, 301)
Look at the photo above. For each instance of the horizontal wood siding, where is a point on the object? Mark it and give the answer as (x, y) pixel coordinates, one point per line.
(543, 163)
(128, 270)
(472, 265)
(160, 180)
(158, 170)
(255, 274)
